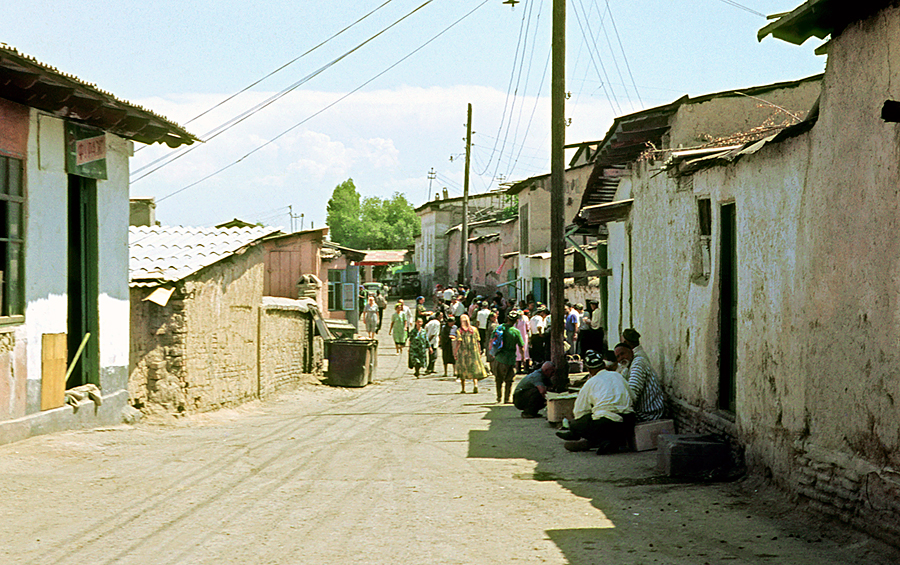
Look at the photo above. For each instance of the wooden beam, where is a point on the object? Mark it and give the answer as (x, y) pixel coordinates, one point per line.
(594, 273)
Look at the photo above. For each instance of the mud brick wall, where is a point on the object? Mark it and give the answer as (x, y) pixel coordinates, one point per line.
(690, 419)
(849, 488)
(222, 315)
(156, 382)
(287, 353)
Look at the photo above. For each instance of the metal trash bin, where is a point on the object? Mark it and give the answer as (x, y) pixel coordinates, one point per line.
(351, 362)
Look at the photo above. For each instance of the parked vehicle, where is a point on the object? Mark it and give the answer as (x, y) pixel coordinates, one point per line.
(374, 287)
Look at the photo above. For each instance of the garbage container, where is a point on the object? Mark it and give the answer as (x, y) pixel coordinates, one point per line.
(351, 362)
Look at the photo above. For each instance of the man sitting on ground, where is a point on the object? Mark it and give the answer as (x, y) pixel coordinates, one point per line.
(531, 392)
(645, 390)
(603, 414)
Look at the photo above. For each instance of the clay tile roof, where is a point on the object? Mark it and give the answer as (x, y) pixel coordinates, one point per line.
(171, 253)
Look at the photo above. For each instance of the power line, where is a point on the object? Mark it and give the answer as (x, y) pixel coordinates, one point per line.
(222, 128)
(512, 75)
(289, 63)
(281, 68)
(301, 122)
(624, 56)
(533, 109)
(742, 7)
(604, 77)
(516, 91)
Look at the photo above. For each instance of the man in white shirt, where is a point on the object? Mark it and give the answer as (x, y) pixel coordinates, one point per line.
(432, 334)
(604, 417)
(449, 293)
(481, 321)
(457, 308)
(538, 339)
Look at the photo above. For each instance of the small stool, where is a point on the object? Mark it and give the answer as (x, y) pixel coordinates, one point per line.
(560, 406)
(646, 434)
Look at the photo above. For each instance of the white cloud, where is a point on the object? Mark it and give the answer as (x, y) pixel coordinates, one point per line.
(386, 140)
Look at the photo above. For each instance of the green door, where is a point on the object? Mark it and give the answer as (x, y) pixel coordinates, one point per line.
(84, 281)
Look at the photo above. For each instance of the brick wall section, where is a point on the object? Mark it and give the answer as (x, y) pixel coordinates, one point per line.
(156, 381)
(846, 487)
(690, 419)
(287, 352)
(222, 314)
(217, 343)
(849, 488)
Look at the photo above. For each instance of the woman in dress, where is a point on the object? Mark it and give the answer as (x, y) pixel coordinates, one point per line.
(398, 328)
(448, 334)
(418, 348)
(468, 354)
(522, 356)
(370, 314)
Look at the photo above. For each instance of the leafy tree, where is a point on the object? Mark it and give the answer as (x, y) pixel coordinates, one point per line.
(343, 214)
(372, 223)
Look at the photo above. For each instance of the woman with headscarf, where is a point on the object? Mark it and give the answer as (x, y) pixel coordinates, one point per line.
(418, 348)
(370, 315)
(398, 328)
(467, 349)
(522, 356)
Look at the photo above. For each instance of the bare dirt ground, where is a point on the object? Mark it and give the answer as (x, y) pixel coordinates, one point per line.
(402, 471)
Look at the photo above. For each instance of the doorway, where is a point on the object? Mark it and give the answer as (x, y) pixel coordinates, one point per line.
(83, 281)
(728, 309)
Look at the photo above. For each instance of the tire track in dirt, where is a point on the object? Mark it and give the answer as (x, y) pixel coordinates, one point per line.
(160, 498)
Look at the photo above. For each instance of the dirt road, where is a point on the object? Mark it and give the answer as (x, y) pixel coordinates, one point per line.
(402, 471)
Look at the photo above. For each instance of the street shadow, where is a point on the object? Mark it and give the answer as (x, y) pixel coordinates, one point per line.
(585, 475)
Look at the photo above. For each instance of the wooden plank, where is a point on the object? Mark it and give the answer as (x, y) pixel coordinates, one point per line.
(594, 273)
(53, 370)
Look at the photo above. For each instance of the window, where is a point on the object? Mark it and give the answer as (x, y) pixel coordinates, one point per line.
(702, 262)
(12, 234)
(335, 279)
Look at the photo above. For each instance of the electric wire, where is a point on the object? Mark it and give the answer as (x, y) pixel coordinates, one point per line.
(222, 128)
(518, 80)
(537, 98)
(512, 75)
(604, 77)
(289, 63)
(742, 7)
(301, 122)
(612, 20)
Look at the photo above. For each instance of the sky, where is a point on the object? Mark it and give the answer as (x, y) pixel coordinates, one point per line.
(377, 90)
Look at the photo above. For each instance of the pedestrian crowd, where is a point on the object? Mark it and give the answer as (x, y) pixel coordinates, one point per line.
(479, 337)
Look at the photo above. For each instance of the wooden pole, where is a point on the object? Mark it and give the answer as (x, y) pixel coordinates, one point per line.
(557, 184)
(464, 245)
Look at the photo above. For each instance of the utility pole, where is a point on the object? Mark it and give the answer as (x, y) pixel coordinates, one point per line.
(301, 222)
(432, 174)
(464, 263)
(557, 183)
(291, 214)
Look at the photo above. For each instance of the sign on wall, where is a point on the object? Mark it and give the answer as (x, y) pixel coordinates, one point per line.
(85, 151)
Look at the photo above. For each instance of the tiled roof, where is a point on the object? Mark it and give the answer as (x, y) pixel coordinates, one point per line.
(171, 253)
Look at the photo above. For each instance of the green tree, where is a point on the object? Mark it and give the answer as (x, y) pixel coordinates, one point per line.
(372, 223)
(343, 216)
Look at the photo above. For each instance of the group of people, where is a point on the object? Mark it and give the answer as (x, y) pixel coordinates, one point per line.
(620, 390)
(464, 331)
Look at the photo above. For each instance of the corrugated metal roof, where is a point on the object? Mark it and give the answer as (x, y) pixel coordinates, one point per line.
(171, 253)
